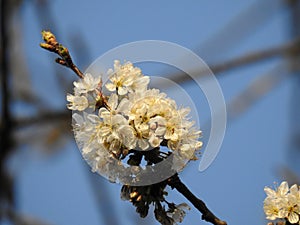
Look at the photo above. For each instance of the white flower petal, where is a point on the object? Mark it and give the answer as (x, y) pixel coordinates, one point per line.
(293, 217)
(283, 188)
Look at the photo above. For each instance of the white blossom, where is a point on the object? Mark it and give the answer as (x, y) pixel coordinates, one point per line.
(283, 203)
(87, 84)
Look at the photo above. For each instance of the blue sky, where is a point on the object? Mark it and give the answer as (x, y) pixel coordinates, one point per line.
(57, 188)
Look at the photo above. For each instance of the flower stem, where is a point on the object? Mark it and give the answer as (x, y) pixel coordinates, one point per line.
(65, 59)
(207, 215)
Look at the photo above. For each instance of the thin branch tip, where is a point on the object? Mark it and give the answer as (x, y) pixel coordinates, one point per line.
(52, 45)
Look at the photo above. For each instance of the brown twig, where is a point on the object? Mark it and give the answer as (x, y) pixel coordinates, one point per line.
(52, 45)
(207, 215)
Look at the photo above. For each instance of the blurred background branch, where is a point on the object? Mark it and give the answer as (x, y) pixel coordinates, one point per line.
(245, 60)
(7, 197)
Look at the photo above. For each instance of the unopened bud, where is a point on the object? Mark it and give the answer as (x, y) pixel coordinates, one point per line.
(139, 198)
(133, 194)
(48, 37)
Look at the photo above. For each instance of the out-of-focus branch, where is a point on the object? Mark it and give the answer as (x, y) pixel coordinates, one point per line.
(258, 56)
(5, 114)
(6, 190)
(256, 90)
(294, 126)
(282, 51)
(234, 32)
(42, 118)
(22, 91)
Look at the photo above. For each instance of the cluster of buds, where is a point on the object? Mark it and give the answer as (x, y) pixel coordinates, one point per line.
(52, 45)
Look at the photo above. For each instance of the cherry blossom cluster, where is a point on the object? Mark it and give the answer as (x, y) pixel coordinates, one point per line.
(130, 116)
(283, 203)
